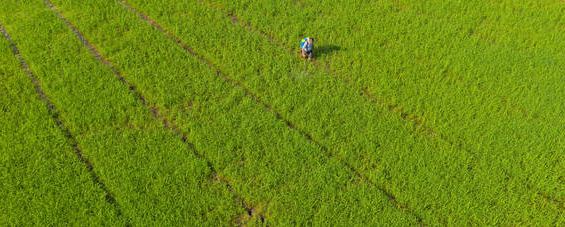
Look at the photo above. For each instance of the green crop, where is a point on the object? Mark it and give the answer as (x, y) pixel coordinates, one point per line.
(152, 174)
(224, 124)
(202, 113)
(41, 180)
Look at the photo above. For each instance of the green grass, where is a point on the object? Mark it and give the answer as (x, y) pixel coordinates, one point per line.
(453, 108)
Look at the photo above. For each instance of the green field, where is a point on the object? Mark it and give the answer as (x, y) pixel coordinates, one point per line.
(201, 113)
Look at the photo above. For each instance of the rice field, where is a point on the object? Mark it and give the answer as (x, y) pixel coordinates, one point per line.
(165, 112)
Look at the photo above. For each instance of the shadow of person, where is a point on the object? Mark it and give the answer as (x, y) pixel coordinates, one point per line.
(324, 50)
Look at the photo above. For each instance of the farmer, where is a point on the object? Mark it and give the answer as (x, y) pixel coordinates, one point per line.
(307, 47)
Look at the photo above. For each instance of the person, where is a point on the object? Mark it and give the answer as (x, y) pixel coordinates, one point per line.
(307, 48)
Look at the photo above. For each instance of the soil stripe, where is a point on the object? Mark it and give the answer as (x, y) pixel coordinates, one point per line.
(268, 107)
(55, 115)
(155, 111)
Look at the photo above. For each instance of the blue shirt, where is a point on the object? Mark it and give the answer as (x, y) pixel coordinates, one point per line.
(305, 45)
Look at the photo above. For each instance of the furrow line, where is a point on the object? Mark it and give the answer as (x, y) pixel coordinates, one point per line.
(55, 115)
(416, 120)
(155, 111)
(256, 98)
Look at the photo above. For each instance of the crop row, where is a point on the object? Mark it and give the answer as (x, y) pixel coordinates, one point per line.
(41, 180)
(153, 176)
(509, 107)
(313, 105)
(55, 116)
(497, 108)
(278, 159)
(267, 106)
(153, 109)
(418, 121)
(249, 146)
(252, 148)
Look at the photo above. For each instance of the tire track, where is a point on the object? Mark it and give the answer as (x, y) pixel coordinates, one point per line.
(416, 120)
(55, 115)
(238, 84)
(155, 111)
